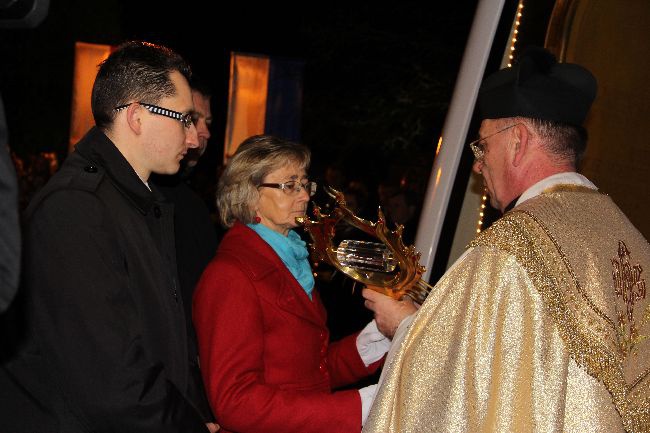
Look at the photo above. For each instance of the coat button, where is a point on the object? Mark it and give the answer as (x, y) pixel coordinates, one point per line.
(90, 169)
(157, 212)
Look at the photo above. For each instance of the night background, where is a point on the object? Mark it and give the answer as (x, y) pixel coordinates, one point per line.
(377, 79)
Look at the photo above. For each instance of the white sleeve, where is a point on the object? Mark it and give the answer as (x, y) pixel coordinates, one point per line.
(372, 344)
(367, 398)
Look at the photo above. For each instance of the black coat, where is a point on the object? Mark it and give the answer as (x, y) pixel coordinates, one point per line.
(9, 228)
(108, 349)
(195, 235)
(196, 244)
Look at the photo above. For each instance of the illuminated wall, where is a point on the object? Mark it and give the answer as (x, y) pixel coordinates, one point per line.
(87, 58)
(612, 39)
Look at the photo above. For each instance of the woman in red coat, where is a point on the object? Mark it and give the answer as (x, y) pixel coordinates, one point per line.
(264, 347)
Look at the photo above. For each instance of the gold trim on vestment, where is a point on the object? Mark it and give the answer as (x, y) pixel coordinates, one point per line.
(591, 337)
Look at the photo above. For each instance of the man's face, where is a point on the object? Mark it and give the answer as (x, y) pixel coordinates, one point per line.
(203, 117)
(494, 166)
(167, 140)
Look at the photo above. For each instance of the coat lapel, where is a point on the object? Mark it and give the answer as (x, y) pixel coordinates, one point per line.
(291, 297)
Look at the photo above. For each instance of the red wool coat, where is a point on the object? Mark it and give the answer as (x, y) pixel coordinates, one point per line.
(264, 348)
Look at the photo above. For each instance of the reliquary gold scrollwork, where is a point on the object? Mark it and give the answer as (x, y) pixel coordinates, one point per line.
(387, 266)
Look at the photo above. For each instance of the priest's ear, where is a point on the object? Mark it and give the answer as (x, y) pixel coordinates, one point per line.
(521, 144)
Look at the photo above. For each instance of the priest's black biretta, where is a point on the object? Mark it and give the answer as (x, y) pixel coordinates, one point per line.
(538, 87)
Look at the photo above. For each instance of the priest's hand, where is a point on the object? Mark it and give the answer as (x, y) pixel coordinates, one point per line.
(389, 313)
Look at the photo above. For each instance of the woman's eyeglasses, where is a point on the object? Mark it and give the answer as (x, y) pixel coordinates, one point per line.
(292, 187)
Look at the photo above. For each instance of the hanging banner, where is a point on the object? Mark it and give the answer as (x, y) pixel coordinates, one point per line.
(265, 97)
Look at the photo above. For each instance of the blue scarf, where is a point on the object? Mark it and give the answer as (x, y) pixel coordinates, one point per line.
(293, 252)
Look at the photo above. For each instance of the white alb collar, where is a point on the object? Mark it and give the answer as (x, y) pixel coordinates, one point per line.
(570, 177)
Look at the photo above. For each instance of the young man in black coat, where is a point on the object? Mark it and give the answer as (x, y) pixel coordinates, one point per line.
(107, 349)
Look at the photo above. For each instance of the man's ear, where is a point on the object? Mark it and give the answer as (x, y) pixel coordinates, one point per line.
(134, 114)
(521, 144)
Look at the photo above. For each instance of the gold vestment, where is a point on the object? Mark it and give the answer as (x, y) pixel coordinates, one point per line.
(542, 326)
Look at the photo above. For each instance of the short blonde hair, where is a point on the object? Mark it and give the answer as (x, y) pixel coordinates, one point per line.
(256, 157)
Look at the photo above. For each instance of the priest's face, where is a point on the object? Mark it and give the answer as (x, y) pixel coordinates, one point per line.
(494, 164)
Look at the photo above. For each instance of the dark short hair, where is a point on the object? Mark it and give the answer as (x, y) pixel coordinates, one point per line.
(135, 71)
(256, 157)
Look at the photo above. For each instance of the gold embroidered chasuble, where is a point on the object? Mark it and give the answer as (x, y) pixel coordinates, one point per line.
(542, 326)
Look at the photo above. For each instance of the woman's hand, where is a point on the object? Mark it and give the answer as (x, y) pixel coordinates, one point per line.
(213, 427)
(389, 313)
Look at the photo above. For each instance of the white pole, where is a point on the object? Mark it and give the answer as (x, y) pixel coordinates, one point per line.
(454, 131)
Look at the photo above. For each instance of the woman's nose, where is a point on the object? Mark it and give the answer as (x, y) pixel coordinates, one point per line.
(303, 194)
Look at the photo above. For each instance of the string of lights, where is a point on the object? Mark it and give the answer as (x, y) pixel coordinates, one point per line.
(508, 58)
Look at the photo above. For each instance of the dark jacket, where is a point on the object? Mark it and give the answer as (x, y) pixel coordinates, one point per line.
(196, 244)
(9, 228)
(195, 235)
(107, 350)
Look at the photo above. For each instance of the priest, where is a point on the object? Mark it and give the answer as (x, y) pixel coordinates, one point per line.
(542, 324)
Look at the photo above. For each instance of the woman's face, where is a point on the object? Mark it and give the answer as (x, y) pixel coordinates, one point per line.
(277, 208)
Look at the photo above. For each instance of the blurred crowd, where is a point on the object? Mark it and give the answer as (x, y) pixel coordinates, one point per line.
(33, 172)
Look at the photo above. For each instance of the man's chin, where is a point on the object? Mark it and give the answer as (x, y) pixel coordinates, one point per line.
(171, 169)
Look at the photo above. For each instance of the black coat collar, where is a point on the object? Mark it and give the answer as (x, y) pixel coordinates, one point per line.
(98, 149)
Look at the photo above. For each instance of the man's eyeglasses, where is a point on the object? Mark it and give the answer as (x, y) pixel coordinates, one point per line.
(292, 187)
(478, 145)
(186, 119)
